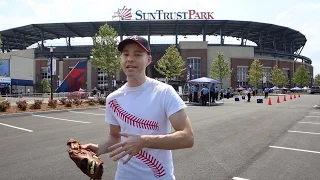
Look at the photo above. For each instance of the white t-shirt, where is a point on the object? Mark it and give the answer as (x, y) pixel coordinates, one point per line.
(144, 110)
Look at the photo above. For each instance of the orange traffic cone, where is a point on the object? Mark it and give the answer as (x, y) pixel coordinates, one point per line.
(290, 96)
(294, 95)
(278, 99)
(284, 98)
(269, 102)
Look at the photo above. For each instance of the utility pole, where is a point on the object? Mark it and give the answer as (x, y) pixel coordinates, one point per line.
(51, 73)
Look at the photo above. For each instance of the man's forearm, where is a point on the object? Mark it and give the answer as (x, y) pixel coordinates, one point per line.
(176, 140)
(103, 147)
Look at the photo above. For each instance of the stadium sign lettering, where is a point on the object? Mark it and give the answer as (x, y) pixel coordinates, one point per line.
(127, 14)
(161, 15)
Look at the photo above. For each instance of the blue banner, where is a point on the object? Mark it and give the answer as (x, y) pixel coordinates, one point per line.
(5, 68)
(5, 81)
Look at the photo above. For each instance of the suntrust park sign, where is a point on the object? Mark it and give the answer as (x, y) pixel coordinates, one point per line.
(128, 14)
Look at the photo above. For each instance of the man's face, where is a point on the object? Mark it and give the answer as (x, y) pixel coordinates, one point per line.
(134, 60)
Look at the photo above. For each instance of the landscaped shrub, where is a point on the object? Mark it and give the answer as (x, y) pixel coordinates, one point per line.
(102, 101)
(37, 104)
(22, 105)
(7, 103)
(91, 102)
(52, 103)
(63, 101)
(4, 105)
(77, 102)
(68, 103)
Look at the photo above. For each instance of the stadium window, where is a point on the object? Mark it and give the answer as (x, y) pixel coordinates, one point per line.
(195, 63)
(242, 75)
(267, 72)
(44, 73)
(286, 71)
(102, 79)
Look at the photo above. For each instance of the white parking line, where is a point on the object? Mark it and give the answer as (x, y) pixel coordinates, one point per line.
(293, 149)
(308, 123)
(87, 113)
(23, 129)
(312, 116)
(237, 178)
(61, 119)
(302, 132)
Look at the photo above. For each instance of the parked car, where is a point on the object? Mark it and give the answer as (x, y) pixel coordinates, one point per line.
(78, 95)
(314, 89)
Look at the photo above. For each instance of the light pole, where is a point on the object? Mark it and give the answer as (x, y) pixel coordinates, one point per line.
(190, 72)
(51, 79)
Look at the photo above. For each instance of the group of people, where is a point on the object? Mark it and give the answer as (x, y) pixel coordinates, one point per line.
(207, 94)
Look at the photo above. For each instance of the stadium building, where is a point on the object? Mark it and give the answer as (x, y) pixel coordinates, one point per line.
(273, 45)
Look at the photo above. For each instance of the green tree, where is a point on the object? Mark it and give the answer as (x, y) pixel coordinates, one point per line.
(301, 76)
(317, 80)
(45, 85)
(278, 77)
(171, 64)
(220, 68)
(284, 80)
(275, 75)
(255, 73)
(105, 55)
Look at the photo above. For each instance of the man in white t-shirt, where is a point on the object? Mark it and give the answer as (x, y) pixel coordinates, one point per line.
(140, 115)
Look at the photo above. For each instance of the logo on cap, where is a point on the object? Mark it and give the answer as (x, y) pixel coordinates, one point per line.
(134, 37)
(123, 14)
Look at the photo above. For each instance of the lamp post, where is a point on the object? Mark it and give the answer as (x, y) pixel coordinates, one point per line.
(113, 82)
(51, 79)
(190, 72)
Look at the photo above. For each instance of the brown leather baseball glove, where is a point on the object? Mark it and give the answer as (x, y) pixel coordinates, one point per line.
(89, 163)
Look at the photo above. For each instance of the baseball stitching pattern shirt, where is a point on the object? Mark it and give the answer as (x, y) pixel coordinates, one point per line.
(144, 110)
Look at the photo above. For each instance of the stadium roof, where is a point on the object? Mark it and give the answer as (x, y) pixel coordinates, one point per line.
(270, 36)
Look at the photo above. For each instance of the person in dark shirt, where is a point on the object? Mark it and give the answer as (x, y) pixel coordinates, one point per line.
(204, 95)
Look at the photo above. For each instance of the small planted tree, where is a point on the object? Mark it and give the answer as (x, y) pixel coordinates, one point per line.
(45, 85)
(106, 57)
(255, 73)
(276, 74)
(284, 80)
(220, 68)
(317, 80)
(171, 65)
(301, 76)
(278, 77)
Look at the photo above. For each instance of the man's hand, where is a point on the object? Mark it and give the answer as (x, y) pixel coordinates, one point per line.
(92, 147)
(131, 146)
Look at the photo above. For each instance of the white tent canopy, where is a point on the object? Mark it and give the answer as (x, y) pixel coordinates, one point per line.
(204, 80)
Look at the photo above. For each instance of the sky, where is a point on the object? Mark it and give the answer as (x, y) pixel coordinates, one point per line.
(299, 15)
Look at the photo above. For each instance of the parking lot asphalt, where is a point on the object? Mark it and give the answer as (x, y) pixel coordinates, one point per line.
(236, 140)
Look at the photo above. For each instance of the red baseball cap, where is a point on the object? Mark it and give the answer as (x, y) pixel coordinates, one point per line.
(135, 39)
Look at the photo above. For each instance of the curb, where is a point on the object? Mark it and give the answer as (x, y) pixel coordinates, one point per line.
(45, 112)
